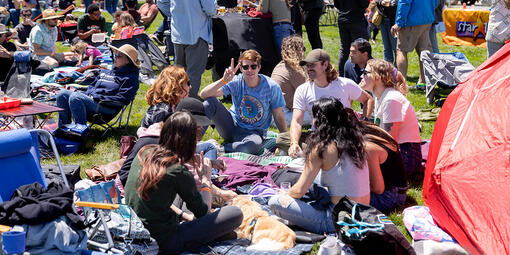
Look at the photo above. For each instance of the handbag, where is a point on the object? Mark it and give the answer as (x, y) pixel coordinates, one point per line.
(105, 172)
(127, 143)
(367, 230)
(377, 18)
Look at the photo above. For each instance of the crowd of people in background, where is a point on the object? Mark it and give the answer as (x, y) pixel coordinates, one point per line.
(369, 156)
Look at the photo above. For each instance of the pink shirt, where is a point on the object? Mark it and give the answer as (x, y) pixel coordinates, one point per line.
(93, 51)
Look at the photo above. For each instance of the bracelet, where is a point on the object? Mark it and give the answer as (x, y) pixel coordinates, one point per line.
(206, 189)
(291, 143)
(224, 82)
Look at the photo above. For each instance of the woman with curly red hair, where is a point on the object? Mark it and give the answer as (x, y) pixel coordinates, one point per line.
(171, 86)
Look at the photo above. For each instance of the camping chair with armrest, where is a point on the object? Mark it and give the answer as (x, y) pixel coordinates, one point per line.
(20, 160)
(100, 208)
(104, 120)
(114, 227)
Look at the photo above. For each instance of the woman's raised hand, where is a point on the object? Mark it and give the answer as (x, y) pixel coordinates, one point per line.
(230, 72)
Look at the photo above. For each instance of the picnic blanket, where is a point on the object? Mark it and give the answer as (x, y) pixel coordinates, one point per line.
(242, 172)
(263, 160)
(238, 246)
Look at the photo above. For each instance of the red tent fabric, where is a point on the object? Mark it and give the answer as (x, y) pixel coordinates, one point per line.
(467, 179)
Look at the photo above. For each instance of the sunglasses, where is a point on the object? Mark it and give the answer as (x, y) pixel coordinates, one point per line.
(26, 14)
(246, 67)
(189, 84)
(365, 72)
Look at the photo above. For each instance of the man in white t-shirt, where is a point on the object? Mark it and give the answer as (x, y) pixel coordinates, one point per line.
(324, 82)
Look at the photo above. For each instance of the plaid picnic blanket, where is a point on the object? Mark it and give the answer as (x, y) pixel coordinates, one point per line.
(238, 246)
(263, 160)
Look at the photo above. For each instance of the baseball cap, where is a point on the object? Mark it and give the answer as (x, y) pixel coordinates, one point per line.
(314, 56)
(196, 108)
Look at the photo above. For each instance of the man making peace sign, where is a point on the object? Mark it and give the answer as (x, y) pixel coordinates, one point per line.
(256, 99)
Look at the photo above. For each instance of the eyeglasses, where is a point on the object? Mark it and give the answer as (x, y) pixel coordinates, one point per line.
(312, 65)
(245, 67)
(365, 72)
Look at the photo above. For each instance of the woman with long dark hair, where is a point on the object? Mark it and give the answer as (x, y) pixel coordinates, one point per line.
(159, 173)
(388, 179)
(335, 150)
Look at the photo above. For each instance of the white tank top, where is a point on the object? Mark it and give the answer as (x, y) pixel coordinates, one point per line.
(346, 179)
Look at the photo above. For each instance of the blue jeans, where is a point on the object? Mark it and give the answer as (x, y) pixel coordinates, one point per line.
(78, 105)
(280, 31)
(237, 139)
(210, 152)
(433, 38)
(110, 6)
(389, 199)
(492, 47)
(301, 214)
(86, 3)
(411, 156)
(389, 42)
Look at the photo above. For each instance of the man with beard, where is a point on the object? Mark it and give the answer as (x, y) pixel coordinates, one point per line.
(43, 37)
(323, 82)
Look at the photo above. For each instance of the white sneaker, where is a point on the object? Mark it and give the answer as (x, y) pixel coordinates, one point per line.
(330, 246)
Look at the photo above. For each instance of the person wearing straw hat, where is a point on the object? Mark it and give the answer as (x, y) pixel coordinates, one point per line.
(118, 85)
(43, 37)
(7, 50)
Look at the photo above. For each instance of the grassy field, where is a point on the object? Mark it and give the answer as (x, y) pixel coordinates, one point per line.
(106, 149)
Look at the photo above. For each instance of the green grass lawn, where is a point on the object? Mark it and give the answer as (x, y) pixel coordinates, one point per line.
(106, 149)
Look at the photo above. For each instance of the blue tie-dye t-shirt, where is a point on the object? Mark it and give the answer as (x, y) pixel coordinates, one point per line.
(253, 106)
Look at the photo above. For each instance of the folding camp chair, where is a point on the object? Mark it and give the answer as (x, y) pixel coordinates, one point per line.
(115, 227)
(329, 17)
(104, 120)
(20, 160)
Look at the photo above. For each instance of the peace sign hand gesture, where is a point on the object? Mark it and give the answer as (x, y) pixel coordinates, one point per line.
(230, 72)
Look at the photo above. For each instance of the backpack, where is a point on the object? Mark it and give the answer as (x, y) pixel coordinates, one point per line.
(367, 230)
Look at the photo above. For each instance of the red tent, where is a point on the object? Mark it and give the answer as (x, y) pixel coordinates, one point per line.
(467, 179)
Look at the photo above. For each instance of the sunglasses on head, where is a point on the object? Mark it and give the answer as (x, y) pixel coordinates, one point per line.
(245, 67)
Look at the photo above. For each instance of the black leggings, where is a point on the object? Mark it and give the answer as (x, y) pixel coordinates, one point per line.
(194, 234)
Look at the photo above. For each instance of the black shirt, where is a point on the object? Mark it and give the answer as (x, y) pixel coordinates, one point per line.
(351, 11)
(393, 170)
(6, 63)
(85, 24)
(23, 31)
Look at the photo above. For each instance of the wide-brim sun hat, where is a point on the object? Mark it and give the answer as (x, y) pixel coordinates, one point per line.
(129, 51)
(4, 30)
(49, 14)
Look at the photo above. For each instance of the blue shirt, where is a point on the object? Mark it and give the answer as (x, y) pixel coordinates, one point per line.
(352, 71)
(415, 12)
(191, 20)
(41, 35)
(253, 106)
